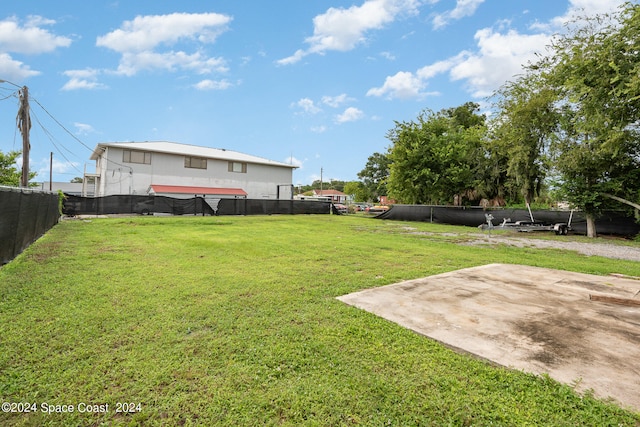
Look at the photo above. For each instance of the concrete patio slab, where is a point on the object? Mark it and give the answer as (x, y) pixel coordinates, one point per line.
(580, 329)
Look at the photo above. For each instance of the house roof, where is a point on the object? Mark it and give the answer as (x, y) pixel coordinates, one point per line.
(188, 150)
(329, 193)
(181, 189)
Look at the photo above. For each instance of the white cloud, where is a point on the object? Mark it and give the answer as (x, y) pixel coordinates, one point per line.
(57, 166)
(83, 128)
(140, 42)
(13, 70)
(499, 58)
(439, 67)
(500, 55)
(213, 85)
(401, 85)
(579, 8)
(318, 129)
(145, 33)
(388, 55)
(18, 163)
(133, 63)
(351, 114)
(307, 105)
(342, 29)
(63, 167)
(29, 38)
(297, 56)
(25, 38)
(293, 161)
(82, 79)
(336, 101)
(463, 9)
(593, 7)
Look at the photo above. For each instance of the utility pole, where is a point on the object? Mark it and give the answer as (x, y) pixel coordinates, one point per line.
(321, 181)
(24, 124)
(51, 172)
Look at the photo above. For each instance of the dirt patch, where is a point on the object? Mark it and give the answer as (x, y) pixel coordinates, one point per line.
(47, 250)
(606, 250)
(534, 319)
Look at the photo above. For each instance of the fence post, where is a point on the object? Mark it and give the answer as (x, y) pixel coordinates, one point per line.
(16, 249)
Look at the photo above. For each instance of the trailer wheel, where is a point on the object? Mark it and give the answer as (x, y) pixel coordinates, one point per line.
(565, 230)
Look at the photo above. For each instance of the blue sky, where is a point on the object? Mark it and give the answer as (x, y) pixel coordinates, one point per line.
(314, 83)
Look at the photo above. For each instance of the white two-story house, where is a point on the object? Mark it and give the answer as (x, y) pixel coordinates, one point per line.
(181, 170)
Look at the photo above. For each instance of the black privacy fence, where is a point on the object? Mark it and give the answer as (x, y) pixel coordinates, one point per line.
(611, 222)
(25, 215)
(149, 205)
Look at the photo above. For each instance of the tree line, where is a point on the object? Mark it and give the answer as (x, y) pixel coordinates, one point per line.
(566, 128)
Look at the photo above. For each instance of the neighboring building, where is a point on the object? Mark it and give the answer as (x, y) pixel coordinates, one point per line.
(385, 200)
(72, 188)
(180, 170)
(334, 195)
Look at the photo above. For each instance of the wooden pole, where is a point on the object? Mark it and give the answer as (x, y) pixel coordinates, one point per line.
(51, 172)
(24, 124)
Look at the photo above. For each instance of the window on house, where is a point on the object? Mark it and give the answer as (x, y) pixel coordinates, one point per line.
(238, 167)
(195, 162)
(133, 156)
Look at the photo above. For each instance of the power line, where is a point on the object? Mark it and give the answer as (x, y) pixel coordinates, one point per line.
(16, 94)
(50, 134)
(12, 95)
(51, 138)
(73, 136)
(62, 126)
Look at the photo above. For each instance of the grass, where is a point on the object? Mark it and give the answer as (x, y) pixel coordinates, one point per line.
(234, 321)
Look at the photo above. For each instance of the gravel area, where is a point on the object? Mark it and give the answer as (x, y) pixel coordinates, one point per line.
(607, 250)
(591, 249)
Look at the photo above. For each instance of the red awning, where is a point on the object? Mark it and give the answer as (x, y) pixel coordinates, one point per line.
(180, 189)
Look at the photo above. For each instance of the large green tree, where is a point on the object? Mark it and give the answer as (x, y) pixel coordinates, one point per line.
(438, 157)
(522, 134)
(594, 73)
(375, 174)
(357, 190)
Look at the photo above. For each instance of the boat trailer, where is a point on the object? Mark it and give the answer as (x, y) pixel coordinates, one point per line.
(560, 228)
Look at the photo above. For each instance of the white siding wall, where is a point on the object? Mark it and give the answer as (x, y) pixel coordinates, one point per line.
(260, 181)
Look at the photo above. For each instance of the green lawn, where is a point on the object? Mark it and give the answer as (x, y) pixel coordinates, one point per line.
(233, 321)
